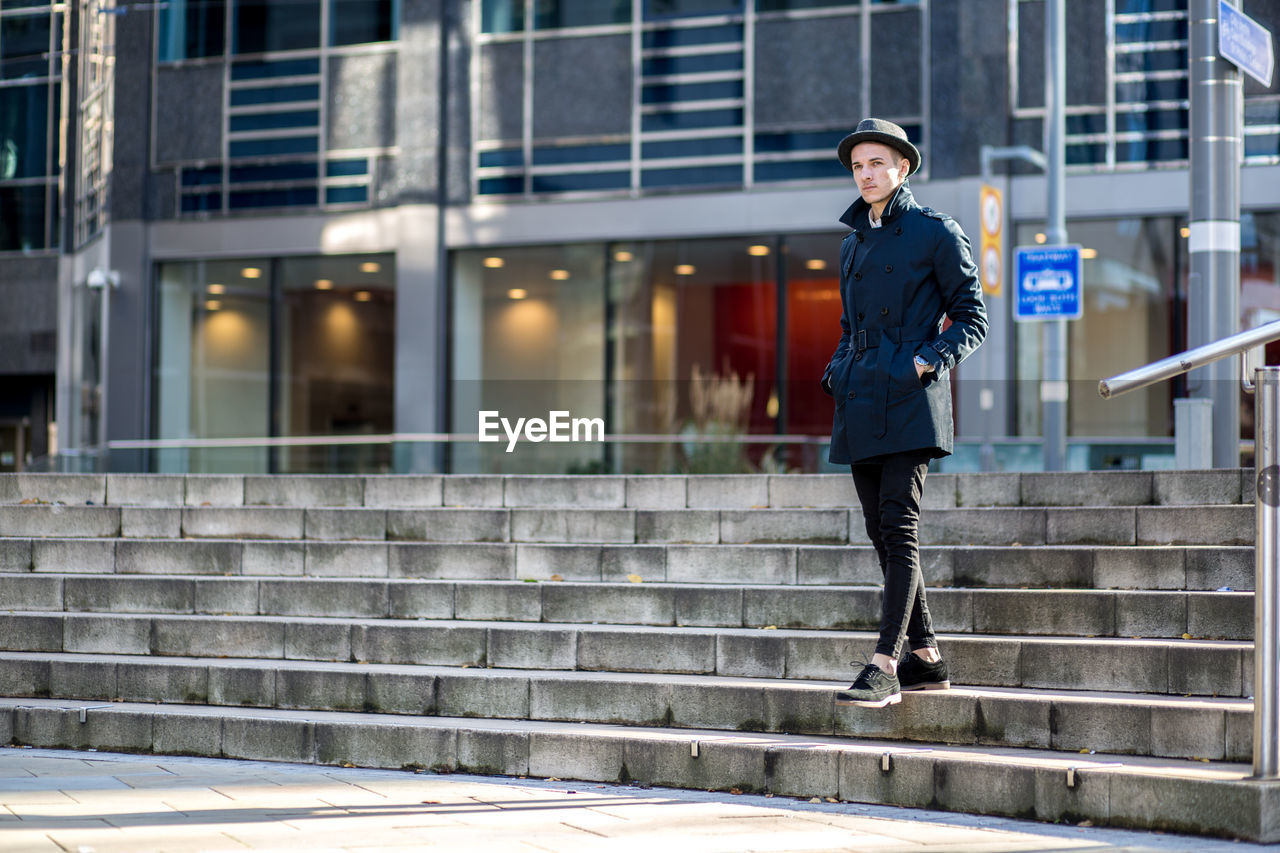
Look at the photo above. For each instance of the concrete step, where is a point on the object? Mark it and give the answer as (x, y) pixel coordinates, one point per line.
(1152, 525)
(1194, 667)
(1208, 567)
(1080, 613)
(1096, 488)
(1148, 793)
(1171, 726)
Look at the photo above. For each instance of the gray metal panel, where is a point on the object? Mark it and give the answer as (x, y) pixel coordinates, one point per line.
(28, 325)
(188, 113)
(131, 122)
(1031, 54)
(582, 86)
(805, 71)
(895, 63)
(417, 106)
(1086, 52)
(965, 71)
(500, 112)
(362, 101)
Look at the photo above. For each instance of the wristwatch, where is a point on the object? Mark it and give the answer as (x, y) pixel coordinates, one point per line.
(926, 365)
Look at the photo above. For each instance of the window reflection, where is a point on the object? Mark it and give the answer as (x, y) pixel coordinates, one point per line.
(190, 29)
(271, 25)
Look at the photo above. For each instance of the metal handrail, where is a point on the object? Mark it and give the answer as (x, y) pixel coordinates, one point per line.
(1174, 365)
(1266, 560)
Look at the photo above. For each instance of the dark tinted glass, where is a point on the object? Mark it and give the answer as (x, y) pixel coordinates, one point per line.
(693, 120)
(1151, 90)
(1152, 120)
(346, 195)
(1093, 123)
(202, 177)
(800, 170)
(692, 36)
(584, 181)
(505, 157)
(501, 186)
(1262, 145)
(704, 176)
(548, 14)
(346, 168)
(1144, 31)
(580, 154)
(1129, 7)
(1086, 154)
(260, 70)
(664, 65)
(24, 120)
(692, 148)
(24, 46)
(275, 172)
(1151, 60)
(274, 198)
(269, 25)
(275, 121)
(787, 5)
(274, 95)
(267, 147)
(22, 218)
(360, 21)
(191, 28)
(681, 8)
(1150, 150)
(800, 141)
(201, 203)
(501, 16)
(692, 92)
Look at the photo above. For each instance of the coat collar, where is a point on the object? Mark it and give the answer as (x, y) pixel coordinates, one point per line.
(857, 216)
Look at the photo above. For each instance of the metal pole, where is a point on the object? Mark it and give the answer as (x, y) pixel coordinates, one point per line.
(1053, 386)
(1266, 597)
(1214, 281)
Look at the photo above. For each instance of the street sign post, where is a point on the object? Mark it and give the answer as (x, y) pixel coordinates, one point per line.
(1048, 283)
(1245, 43)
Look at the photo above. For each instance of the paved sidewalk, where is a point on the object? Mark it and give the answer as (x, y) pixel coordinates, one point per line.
(85, 802)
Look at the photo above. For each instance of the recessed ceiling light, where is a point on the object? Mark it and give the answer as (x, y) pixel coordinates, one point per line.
(758, 251)
(212, 305)
(816, 264)
(560, 275)
(217, 289)
(623, 256)
(1088, 254)
(1185, 232)
(370, 266)
(363, 296)
(324, 284)
(251, 272)
(517, 293)
(1040, 238)
(495, 263)
(686, 269)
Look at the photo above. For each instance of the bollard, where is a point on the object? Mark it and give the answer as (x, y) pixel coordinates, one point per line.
(1266, 608)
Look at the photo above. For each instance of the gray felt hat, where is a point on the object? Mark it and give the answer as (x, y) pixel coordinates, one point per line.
(879, 130)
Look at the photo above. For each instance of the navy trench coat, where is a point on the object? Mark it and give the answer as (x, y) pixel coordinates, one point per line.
(897, 282)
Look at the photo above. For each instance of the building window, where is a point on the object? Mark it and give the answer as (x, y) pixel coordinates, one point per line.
(192, 29)
(680, 338)
(263, 26)
(30, 118)
(361, 21)
(256, 347)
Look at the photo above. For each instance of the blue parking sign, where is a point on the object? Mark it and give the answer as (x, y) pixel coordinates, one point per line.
(1048, 280)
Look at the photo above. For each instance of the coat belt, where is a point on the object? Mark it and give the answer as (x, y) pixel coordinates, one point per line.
(870, 338)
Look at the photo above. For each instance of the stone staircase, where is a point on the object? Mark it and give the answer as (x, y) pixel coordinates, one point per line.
(686, 631)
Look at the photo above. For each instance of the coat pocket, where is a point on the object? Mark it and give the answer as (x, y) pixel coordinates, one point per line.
(903, 378)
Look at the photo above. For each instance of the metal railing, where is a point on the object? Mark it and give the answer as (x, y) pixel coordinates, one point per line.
(1265, 386)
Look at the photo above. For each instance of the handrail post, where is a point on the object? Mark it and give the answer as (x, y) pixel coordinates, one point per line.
(1266, 607)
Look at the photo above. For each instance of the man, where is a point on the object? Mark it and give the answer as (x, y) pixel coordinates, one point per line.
(902, 269)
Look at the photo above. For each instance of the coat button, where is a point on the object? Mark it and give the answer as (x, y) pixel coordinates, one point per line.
(884, 312)
(859, 233)
(851, 395)
(888, 267)
(859, 315)
(857, 276)
(898, 231)
(857, 356)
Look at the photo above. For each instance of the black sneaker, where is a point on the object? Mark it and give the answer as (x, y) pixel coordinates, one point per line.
(914, 673)
(873, 688)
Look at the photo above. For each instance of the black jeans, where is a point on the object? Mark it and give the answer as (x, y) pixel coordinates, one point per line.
(890, 488)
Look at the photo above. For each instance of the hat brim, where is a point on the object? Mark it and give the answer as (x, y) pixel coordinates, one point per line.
(902, 146)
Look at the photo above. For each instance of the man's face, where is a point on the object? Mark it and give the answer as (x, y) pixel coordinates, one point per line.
(878, 170)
